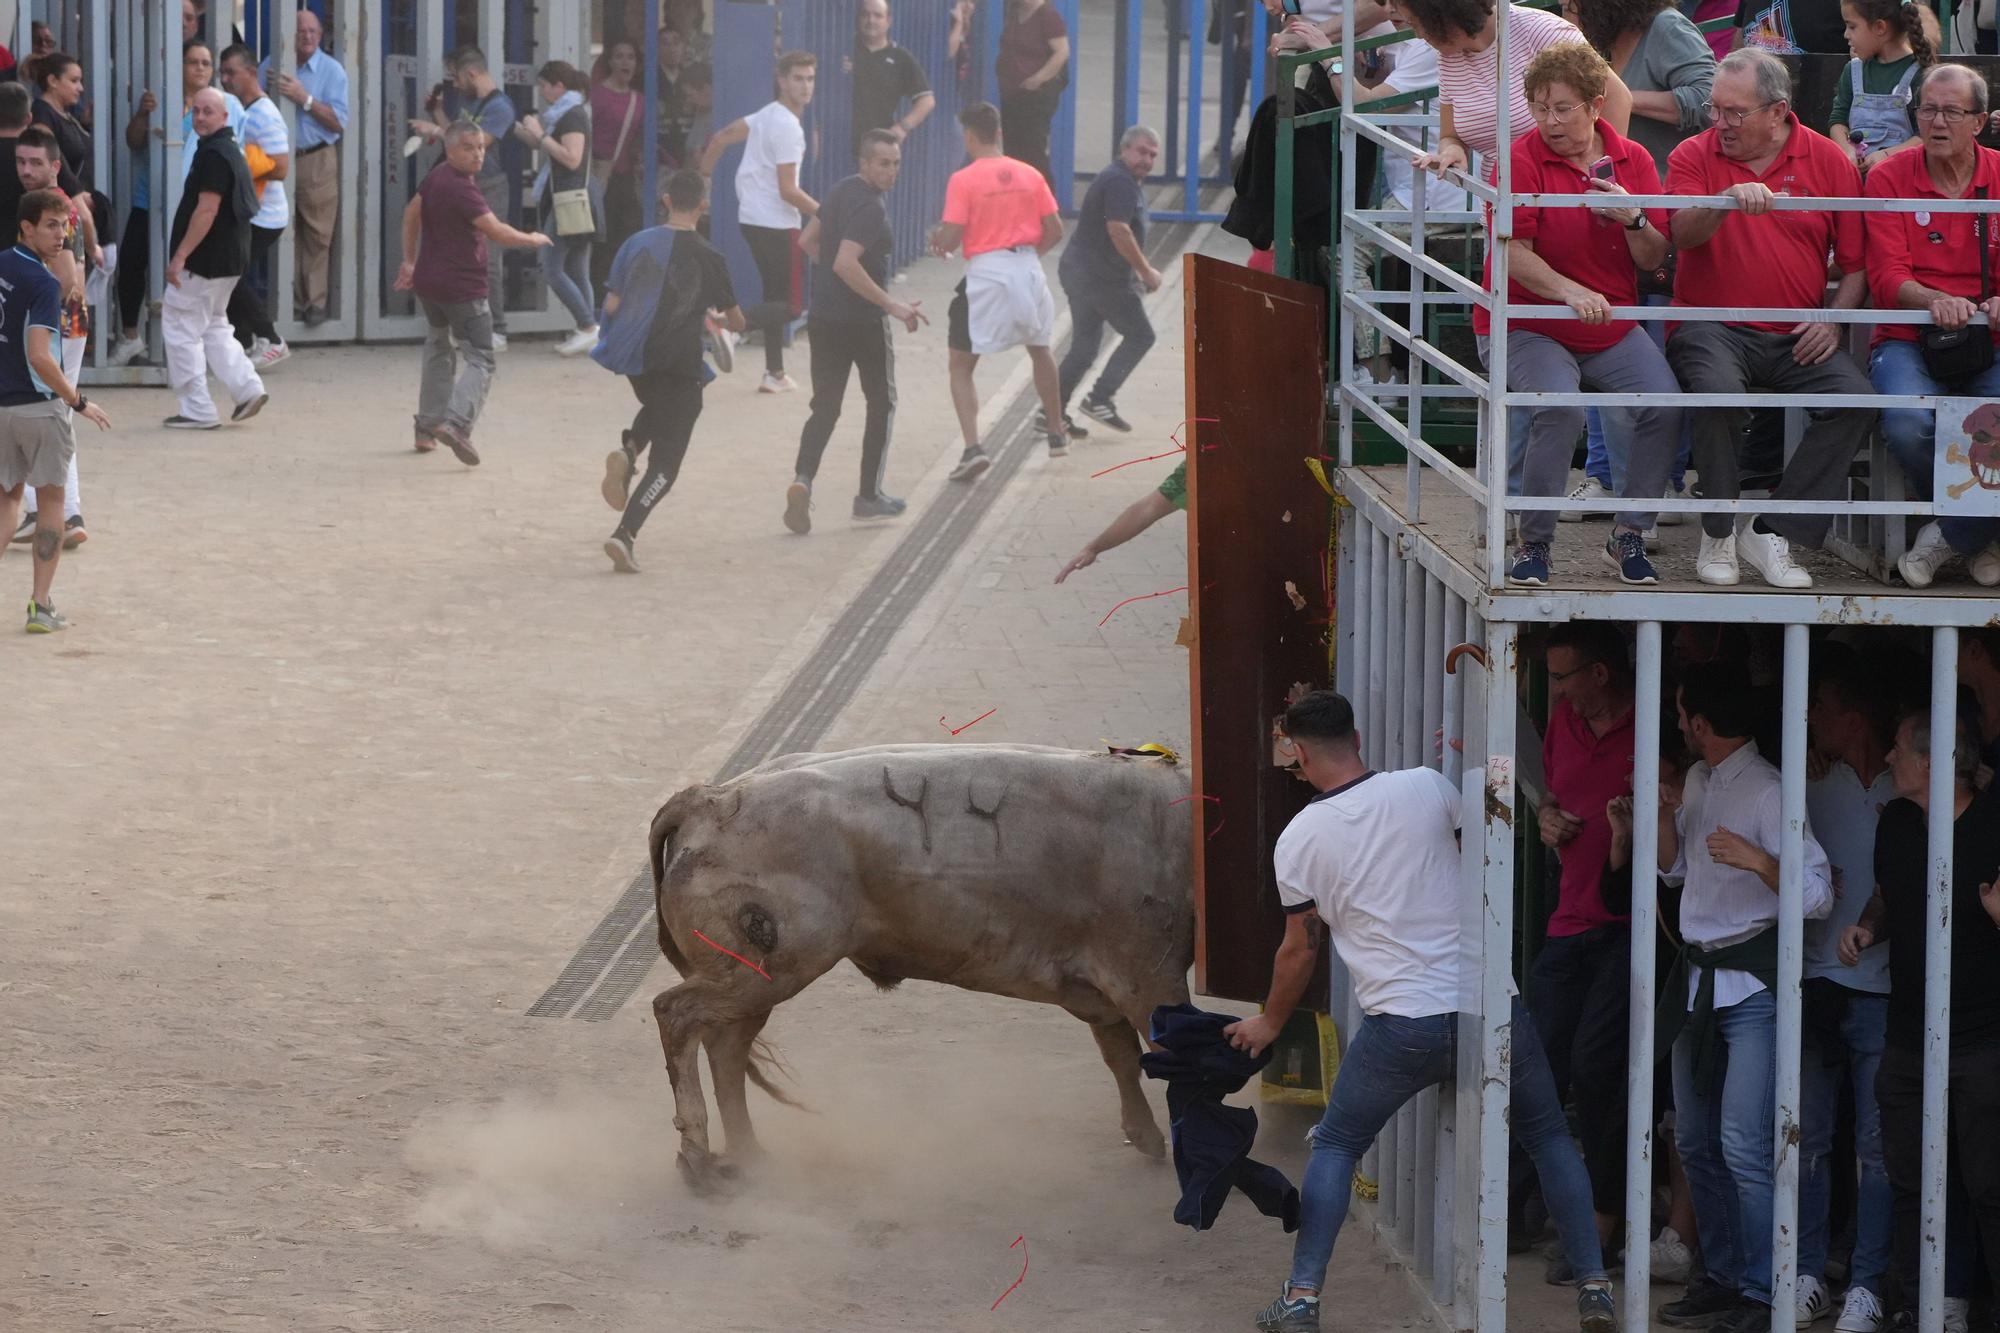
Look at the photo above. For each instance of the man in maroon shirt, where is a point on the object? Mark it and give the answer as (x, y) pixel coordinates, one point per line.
(1756, 257)
(1577, 985)
(445, 232)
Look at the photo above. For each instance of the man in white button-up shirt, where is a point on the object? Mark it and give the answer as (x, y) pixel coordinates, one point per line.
(1722, 844)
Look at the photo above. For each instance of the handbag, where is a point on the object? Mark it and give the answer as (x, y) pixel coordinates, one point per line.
(601, 168)
(1952, 355)
(573, 213)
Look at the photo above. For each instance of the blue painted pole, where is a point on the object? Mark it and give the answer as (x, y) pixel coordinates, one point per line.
(649, 63)
(1133, 14)
(1197, 24)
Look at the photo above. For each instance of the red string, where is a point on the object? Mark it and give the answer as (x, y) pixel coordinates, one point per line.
(737, 956)
(1140, 598)
(1021, 1241)
(975, 721)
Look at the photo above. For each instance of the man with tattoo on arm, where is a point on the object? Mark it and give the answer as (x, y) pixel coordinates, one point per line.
(36, 400)
(1375, 857)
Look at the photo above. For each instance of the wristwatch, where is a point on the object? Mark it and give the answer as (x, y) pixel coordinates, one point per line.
(80, 403)
(308, 104)
(1640, 225)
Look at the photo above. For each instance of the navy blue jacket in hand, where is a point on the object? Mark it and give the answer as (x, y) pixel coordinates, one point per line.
(1212, 1141)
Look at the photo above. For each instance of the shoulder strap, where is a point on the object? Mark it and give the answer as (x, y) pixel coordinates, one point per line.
(1909, 78)
(625, 128)
(1854, 76)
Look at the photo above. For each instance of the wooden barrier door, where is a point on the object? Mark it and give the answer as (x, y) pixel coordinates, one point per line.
(1260, 592)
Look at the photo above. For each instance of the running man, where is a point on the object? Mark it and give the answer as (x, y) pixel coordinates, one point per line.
(446, 230)
(36, 399)
(38, 164)
(1002, 213)
(1105, 274)
(849, 331)
(666, 283)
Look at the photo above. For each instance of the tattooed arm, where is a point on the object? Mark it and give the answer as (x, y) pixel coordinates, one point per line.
(1291, 972)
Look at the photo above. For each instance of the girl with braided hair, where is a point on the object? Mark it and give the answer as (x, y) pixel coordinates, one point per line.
(1872, 102)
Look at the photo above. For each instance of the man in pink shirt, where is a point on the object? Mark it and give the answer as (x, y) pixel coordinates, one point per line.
(1001, 212)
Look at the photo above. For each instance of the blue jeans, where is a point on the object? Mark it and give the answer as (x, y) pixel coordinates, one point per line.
(1391, 1060)
(1726, 1145)
(1896, 366)
(1854, 1028)
(566, 268)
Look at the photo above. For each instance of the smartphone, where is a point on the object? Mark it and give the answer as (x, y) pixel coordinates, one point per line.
(1601, 169)
(1290, 6)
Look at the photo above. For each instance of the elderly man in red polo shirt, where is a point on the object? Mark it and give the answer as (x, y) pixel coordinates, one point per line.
(1930, 261)
(1755, 257)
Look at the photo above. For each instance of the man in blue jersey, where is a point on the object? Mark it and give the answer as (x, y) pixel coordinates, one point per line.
(36, 400)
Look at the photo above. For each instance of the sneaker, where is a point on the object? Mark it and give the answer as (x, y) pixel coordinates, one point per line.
(1283, 1316)
(1927, 554)
(1860, 1312)
(179, 422)
(578, 343)
(1586, 491)
(424, 442)
(1102, 409)
(314, 316)
(970, 464)
(1531, 565)
(1672, 1258)
(778, 383)
(26, 532)
(264, 355)
(616, 488)
(458, 441)
(879, 505)
(1957, 1314)
(1626, 553)
(249, 407)
(1070, 428)
(1715, 562)
(798, 507)
(1749, 1317)
(1652, 537)
(619, 547)
(1058, 444)
(499, 341)
(721, 346)
(1813, 1303)
(44, 619)
(1704, 1303)
(1672, 520)
(1771, 556)
(1596, 1312)
(1986, 567)
(127, 350)
(74, 533)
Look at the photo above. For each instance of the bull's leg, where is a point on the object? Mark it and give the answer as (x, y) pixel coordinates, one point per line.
(1119, 1045)
(686, 1015)
(729, 1063)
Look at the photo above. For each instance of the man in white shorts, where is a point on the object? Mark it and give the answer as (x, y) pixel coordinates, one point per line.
(1002, 213)
(36, 398)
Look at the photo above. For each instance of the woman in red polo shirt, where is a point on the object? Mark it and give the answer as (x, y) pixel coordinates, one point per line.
(1921, 260)
(1589, 260)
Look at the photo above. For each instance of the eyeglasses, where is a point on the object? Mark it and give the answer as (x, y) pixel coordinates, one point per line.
(1950, 115)
(1558, 677)
(1731, 117)
(1555, 110)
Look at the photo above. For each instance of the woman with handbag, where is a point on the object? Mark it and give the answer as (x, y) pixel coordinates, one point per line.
(1033, 70)
(563, 187)
(1943, 263)
(615, 140)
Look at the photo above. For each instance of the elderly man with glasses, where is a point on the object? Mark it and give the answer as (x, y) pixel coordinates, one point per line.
(1922, 260)
(1755, 257)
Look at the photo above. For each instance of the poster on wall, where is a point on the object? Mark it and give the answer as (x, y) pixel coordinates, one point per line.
(1967, 462)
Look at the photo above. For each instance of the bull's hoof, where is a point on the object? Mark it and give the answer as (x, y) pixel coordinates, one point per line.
(704, 1172)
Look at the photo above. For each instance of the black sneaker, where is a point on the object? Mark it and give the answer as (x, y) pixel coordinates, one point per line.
(1596, 1312)
(970, 464)
(1058, 444)
(1531, 565)
(798, 507)
(74, 533)
(1103, 409)
(1749, 1317)
(1070, 428)
(616, 488)
(179, 422)
(878, 506)
(1283, 1316)
(1703, 1304)
(619, 547)
(249, 407)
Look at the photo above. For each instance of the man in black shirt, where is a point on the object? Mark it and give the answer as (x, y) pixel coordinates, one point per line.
(15, 115)
(664, 285)
(885, 75)
(1899, 913)
(1103, 272)
(210, 249)
(847, 331)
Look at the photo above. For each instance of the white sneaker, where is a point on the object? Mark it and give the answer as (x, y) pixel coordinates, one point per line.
(779, 383)
(1986, 567)
(721, 347)
(1586, 491)
(1957, 1315)
(1771, 556)
(1927, 554)
(264, 355)
(499, 341)
(1652, 537)
(127, 350)
(578, 343)
(1716, 561)
(1861, 1312)
(1673, 520)
(1672, 1258)
(1813, 1303)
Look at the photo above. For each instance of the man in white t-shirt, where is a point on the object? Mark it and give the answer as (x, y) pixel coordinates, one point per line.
(1374, 857)
(770, 205)
(263, 127)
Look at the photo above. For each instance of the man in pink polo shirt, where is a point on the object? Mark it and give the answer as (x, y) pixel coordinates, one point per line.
(1754, 257)
(1001, 212)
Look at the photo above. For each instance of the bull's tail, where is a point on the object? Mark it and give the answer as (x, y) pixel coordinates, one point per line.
(764, 1060)
(666, 823)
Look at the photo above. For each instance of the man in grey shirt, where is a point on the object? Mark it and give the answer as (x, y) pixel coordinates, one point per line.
(482, 102)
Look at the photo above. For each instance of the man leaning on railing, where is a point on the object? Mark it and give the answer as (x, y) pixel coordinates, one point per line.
(1755, 258)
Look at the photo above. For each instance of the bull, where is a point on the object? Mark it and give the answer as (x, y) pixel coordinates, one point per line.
(1045, 874)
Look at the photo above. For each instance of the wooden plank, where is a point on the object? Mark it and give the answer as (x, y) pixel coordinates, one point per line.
(1260, 592)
